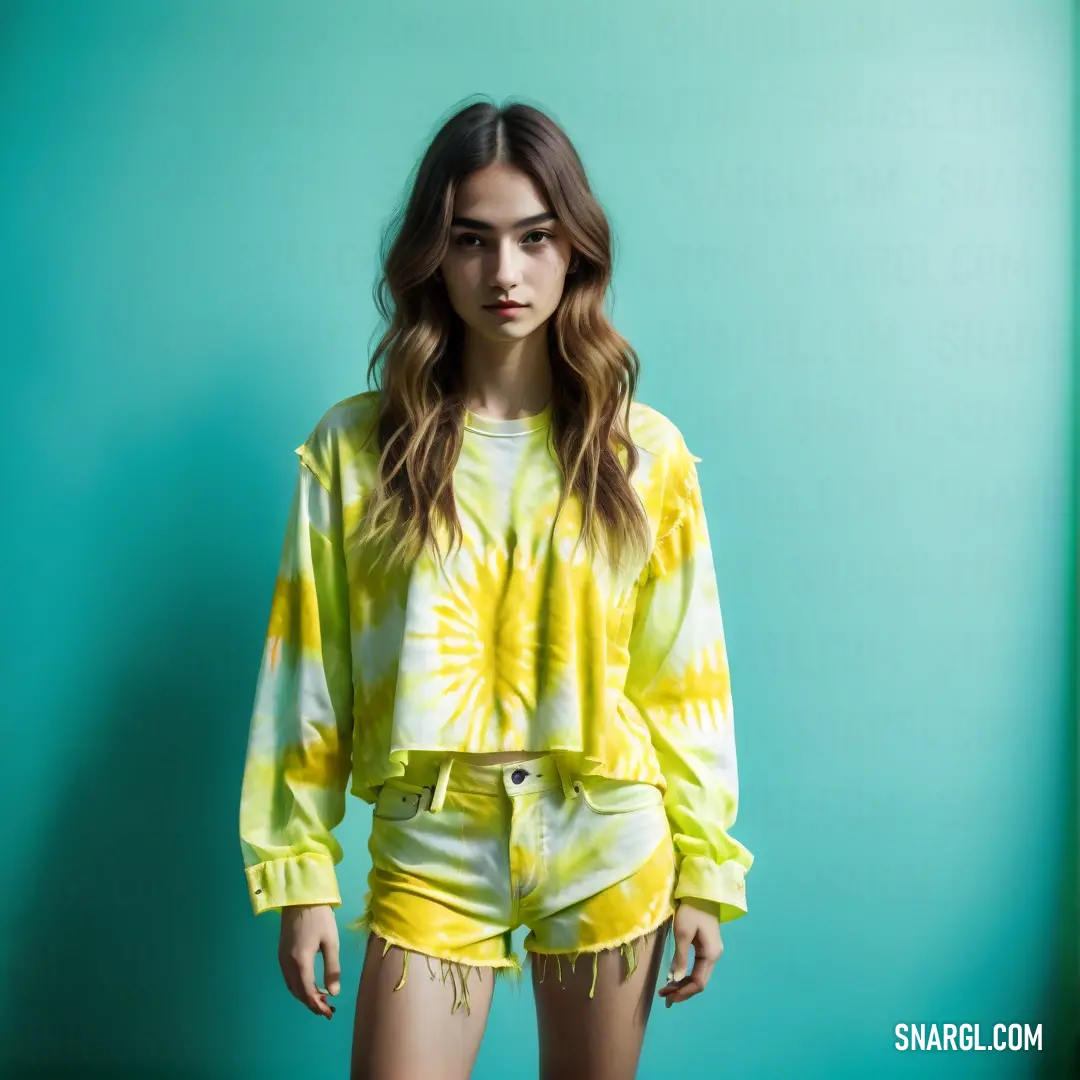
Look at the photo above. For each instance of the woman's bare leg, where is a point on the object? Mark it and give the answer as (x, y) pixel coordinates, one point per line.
(596, 1038)
(409, 1033)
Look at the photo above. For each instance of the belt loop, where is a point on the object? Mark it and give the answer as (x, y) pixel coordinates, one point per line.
(568, 786)
(440, 785)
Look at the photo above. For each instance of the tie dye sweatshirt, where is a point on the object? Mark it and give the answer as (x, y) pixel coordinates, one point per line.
(517, 642)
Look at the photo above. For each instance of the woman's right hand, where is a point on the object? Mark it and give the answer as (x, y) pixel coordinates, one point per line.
(305, 930)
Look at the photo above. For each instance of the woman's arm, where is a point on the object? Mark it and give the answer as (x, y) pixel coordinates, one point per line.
(679, 680)
(300, 743)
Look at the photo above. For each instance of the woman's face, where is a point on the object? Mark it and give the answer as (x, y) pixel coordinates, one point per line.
(504, 244)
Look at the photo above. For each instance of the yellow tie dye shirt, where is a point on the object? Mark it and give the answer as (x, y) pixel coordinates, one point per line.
(517, 642)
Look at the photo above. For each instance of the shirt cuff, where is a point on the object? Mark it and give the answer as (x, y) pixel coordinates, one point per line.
(723, 884)
(298, 879)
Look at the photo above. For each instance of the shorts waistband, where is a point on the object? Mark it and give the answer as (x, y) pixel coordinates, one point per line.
(512, 777)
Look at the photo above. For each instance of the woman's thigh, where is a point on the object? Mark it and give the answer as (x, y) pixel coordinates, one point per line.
(408, 1029)
(598, 1037)
(606, 907)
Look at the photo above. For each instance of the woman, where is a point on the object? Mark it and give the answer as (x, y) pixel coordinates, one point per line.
(497, 611)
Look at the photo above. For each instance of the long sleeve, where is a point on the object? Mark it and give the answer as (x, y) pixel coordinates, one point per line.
(300, 743)
(678, 678)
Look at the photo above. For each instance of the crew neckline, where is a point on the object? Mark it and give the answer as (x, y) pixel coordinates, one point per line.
(520, 425)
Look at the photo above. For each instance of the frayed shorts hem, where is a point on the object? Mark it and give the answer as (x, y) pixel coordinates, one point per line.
(629, 945)
(455, 969)
(509, 967)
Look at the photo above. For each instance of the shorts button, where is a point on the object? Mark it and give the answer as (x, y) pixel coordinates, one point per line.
(518, 775)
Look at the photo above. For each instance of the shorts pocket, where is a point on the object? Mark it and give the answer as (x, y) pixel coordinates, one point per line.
(603, 795)
(397, 802)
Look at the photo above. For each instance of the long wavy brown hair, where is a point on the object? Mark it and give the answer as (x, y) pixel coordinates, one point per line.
(416, 365)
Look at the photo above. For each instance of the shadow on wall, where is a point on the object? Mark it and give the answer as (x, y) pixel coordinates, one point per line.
(128, 947)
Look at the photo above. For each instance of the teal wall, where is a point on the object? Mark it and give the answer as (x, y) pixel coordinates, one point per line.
(844, 232)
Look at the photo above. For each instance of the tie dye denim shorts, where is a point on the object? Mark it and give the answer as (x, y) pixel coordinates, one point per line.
(463, 854)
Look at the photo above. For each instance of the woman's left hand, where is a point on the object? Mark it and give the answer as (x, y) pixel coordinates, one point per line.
(696, 924)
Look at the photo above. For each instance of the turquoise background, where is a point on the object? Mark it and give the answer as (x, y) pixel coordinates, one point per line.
(844, 243)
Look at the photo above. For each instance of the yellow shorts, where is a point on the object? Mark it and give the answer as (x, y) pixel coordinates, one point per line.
(463, 854)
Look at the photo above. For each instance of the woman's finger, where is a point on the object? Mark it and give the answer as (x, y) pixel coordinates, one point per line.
(703, 969)
(694, 983)
(292, 977)
(690, 986)
(305, 965)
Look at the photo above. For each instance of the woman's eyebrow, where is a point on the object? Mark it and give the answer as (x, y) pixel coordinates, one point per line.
(475, 223)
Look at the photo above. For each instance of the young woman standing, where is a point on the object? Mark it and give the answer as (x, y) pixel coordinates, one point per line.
(497, 612)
